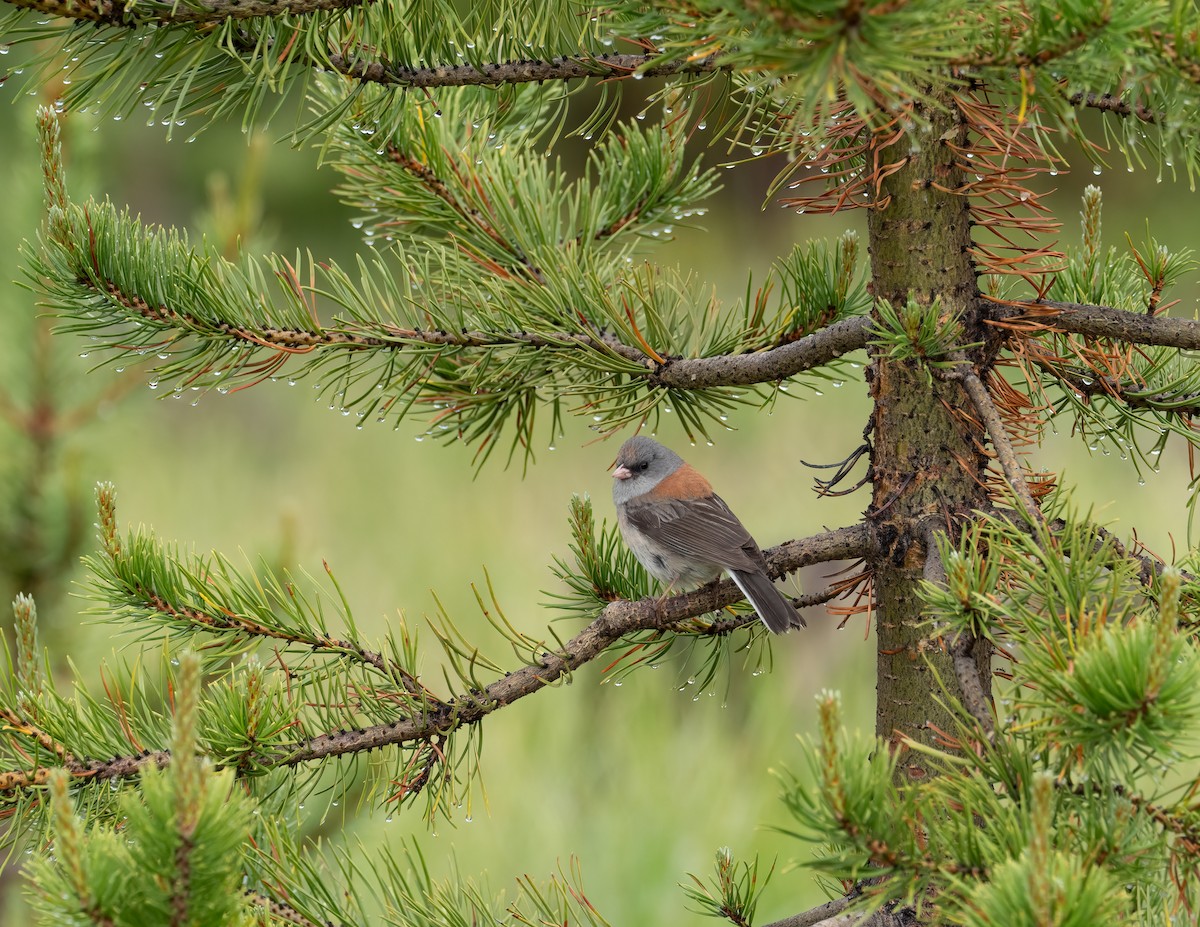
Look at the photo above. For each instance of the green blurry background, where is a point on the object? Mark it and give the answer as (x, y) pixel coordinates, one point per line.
(642, 781)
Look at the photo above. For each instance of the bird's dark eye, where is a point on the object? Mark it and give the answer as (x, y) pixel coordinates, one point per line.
(644, 465)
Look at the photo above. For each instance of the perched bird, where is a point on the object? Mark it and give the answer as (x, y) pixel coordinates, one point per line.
(685, 534)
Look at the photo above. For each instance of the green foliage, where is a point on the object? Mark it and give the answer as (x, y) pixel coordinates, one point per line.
(1063, 891)
(855, 799)
(1043, 887)
(457, 172)
(817, 286)
(604, 568)
(732, 893)
(1109, 393)
(1105, 674)
(504, 294)
(803, 67)
(1005, 836)
(480, 328)
(918, 331)
(197, 64)
(1039, 823)
(176, 856)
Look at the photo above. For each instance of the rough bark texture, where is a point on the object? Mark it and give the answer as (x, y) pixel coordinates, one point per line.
(927, 460)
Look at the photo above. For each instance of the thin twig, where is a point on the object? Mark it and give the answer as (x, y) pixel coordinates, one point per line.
(831, 914)
(1001, 442)
(725, 624)
(815, 915)
(970, 686)
(1150, 567)
(1132, 394)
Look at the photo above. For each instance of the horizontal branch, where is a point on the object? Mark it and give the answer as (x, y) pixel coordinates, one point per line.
(744, 369)
(1107, 103)
(765, 366)
(118, 13)
(563, 67)
(614, 622)
(1095, 322)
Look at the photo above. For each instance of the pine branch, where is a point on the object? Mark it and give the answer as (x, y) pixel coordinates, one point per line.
(1093, 321)
(1108, 103)
(602, 67)
(1015, 58)
(743, 369)
(432, 723)
(223, 620)
(614, 622)
(119, 767)
(769, 366)
(815, 916)
(195, 12)
(1183, 826)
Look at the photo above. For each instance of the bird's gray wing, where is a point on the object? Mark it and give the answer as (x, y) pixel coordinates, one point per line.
(702, 529)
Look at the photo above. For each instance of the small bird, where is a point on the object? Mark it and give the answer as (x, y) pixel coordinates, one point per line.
(685, 534)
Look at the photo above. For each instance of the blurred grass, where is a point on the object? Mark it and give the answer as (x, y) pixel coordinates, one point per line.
(642, 781)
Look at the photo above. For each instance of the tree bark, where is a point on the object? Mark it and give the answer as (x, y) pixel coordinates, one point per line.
(928, 460)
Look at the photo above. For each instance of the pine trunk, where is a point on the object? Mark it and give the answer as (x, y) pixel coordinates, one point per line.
(928, 459)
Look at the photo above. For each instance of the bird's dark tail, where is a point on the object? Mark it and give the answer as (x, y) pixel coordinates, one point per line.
(775, 611)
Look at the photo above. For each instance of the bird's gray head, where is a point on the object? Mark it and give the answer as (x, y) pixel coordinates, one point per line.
(642, 463)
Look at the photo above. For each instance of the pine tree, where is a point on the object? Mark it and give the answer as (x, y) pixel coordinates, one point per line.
(1038, 689)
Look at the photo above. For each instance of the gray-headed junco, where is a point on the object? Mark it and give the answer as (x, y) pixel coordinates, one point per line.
(685, 534)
